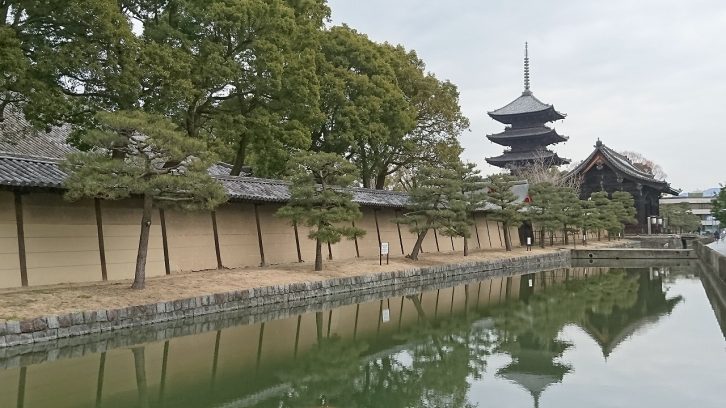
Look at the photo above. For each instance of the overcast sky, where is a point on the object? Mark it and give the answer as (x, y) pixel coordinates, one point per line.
(641, 75)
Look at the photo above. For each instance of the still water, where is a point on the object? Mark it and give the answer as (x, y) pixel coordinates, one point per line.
(595, 337)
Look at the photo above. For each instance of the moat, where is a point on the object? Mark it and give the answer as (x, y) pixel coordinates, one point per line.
(581, 336)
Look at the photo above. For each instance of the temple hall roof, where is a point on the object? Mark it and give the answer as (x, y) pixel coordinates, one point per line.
(603, 155)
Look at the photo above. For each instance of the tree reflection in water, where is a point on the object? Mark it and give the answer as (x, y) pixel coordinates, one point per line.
(432, 363)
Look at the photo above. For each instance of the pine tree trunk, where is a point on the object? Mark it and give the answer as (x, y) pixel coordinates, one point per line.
(239, 158)
(599, 237)
(507, 238)
(466, 246)
(140, 274)
(318, 255)
(141, 383)
(417, 246)
(380, 181)
(542, 238)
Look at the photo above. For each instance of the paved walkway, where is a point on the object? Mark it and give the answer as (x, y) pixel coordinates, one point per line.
(719, 245)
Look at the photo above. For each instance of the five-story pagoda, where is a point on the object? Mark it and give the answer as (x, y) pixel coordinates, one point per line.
(526, 134)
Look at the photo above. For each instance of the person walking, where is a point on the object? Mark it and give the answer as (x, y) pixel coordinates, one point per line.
(717, 235)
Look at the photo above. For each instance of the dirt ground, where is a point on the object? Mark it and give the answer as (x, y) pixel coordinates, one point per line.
(23, 303)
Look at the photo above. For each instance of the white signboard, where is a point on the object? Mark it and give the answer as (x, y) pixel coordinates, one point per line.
(384, 248)
(531, 283)
(386, 316)
(529, 241)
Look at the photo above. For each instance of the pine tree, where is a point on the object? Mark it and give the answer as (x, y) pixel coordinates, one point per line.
(506, 205)
(607, 217)
(135, 154)
(571, 211)
(428, 206)
(624, 207)
(318, 199)
(719, 206)
(471, 198)
(544, 208)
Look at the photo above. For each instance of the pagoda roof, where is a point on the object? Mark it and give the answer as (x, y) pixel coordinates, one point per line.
(527, 156)
(620, 164)
(526, 105)
(510, 135)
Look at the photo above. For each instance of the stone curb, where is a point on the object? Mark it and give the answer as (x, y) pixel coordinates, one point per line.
(55, 327)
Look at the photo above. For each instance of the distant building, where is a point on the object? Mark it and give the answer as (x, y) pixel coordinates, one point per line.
(526, 134)
(700, 205)
(607, 170)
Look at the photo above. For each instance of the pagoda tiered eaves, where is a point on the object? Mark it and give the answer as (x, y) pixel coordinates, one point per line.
(521, 158)
(513, 135)
(527, 134)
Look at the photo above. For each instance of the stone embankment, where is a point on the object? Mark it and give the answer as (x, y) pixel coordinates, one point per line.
(65, 326)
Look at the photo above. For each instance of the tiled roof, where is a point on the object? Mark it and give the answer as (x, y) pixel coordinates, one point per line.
(258, 189)
(621, 164)
(26, 171)
(510, 135)
(20, 166)
(525, 104)
(17, 136)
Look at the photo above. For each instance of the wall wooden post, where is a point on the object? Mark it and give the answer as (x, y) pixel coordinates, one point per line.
(164, 241)
(486, 221)
(400, 237)
(101, 244)
(259, 236)
(499, 231)
(297, 241)
(476, 230)
(216, 240)
(378, 231)
(21, 239)
(355, 239)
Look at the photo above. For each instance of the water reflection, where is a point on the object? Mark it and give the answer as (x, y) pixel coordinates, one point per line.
(408, 351)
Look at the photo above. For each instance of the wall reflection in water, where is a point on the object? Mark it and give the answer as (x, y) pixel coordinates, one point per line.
(392, 352)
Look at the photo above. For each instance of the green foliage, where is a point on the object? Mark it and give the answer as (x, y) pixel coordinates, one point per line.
(624, 205)
(135, 153)
(602, 214)
(428, 205)
(471, 197)
(138, 154)
(719, 206)
(381, 109)
(506, 207)
(544, 208)
(238, 73)
(318, 201)
(680, 218)
(61, 59)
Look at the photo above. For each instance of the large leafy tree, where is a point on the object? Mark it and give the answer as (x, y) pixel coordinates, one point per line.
(381, 109)
(506, 206)
(61, 60)
(135, 154)
(318, 199)
(428, 207)
(240, 74)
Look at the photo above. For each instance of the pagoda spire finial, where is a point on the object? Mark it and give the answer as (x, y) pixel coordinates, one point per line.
(526, 68)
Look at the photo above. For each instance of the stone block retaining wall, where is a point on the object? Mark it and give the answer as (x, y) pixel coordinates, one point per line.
(53, 328)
